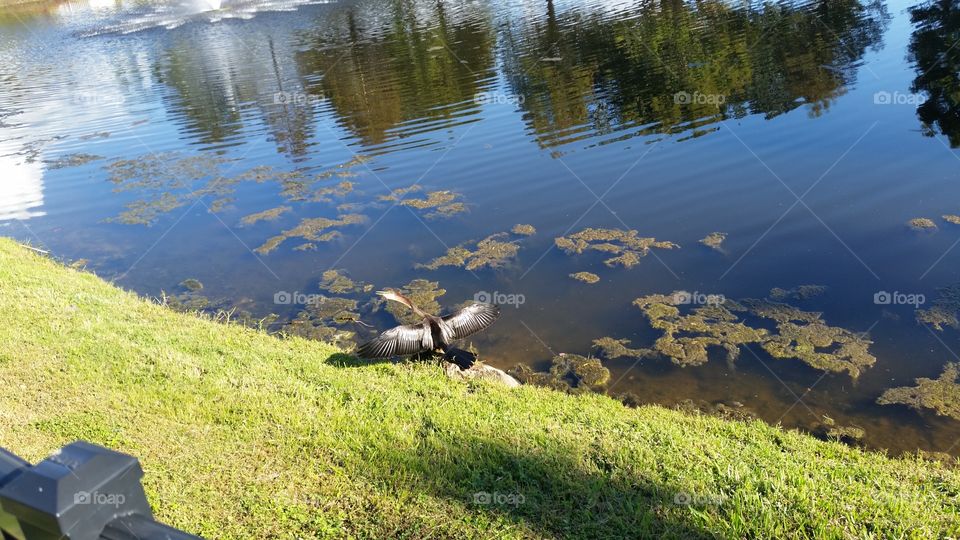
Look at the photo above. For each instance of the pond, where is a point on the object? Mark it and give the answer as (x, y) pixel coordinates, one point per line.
(674, 188)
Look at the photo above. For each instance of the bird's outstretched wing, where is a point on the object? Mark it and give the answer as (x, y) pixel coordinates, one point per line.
(398, 341)
(471, 319)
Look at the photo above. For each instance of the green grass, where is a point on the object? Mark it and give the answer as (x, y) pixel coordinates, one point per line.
(244, 435)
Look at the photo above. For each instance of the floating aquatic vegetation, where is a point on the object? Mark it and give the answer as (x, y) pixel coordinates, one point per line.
(308, 246)
(586, 277)
(313, 229)
(191, 284)
(266, 215)
(72, 160)
(443, 203)
(398, 193)
(308, 327)
(627, 247)
(219, 205)
(922, 224)
(491, 252)
(147, 212)
(611, 348)
(950, 218)
(802, 292)
(423, 293)
(522, 229)
(336, 282)
(799, 334)
(829, 429)
(828, 348)
(944, 309)
(686, 338)
(95, 135)
(714, 240)
(166, 170)
(326, 194)
(569, 372)
(941, 394)
(188, 299)
(447, 210)
(732, 411)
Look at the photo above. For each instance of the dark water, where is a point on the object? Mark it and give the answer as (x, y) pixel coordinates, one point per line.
(809, 132)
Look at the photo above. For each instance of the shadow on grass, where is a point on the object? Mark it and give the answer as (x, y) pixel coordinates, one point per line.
(550, 489)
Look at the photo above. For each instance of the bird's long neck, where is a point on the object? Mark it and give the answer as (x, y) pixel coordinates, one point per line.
(409, 303)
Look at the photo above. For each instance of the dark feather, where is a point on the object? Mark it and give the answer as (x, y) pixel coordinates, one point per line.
(471, 319)
(398, 341)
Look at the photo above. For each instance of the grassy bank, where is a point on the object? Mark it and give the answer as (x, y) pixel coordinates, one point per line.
(241, 432)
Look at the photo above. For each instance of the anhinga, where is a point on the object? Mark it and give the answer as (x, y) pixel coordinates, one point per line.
(430, 334)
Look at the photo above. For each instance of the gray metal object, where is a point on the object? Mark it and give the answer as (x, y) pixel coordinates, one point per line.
(82, 492)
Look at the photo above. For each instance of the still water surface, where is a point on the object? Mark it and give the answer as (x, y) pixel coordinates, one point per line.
(138, 136)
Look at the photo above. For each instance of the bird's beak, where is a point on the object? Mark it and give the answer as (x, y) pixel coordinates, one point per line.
(383, 293)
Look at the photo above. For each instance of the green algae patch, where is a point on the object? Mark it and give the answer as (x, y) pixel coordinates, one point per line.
(799, 334)
(267, 215)
(586, 277)
(802, 292)
(951, 218)
(922, 224)
(314, 230)
(523, 229)
(944, 309)
(727, 411)
(191, 284)
(493, 251)
(714, 240)
(72, 160)
(626, 246)
(942, 395)
(612, 348)
(568, 372)
(337, 282)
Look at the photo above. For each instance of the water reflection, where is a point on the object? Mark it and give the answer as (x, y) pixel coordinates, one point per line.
(21, 190)
(933, 49)
(678, 67)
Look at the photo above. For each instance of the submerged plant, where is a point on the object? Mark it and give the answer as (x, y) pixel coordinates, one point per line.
(313, 229)
(337, 282)
(801, 335)
(586, 277)
(568, 372)
(922, 224)
(626, 246)
(266, 215)
(524, 229)
(942, 394)
(714, 240)
(802, 292)
(72, 160)
(951, 218)
(944, 309)
(491, 252)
